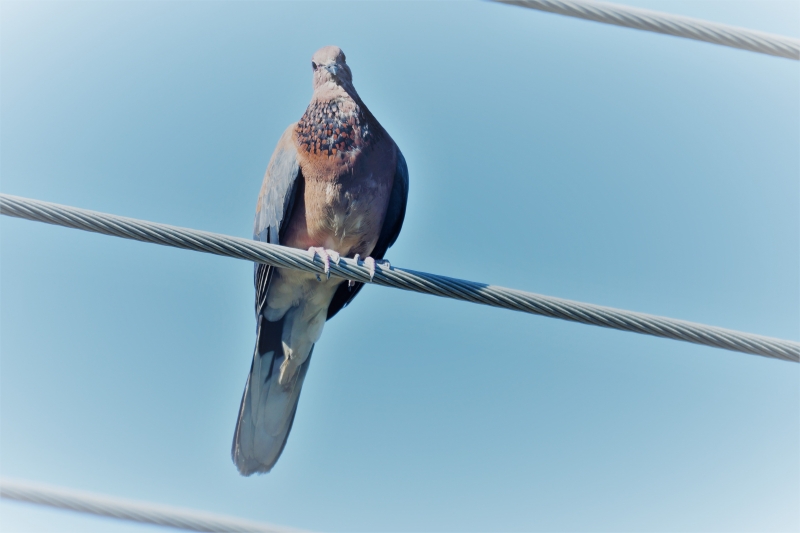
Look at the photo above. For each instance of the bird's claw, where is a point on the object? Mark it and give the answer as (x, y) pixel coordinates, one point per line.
(370, 263)
(326, 256)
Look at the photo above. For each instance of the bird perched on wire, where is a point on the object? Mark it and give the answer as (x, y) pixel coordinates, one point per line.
(336, 185)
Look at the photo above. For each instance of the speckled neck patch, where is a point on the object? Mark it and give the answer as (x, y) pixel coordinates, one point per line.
(327, 129)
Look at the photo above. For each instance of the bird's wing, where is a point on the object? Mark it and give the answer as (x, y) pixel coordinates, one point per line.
(275, 203)
(396, 211)
(267, 409)
(392, 223)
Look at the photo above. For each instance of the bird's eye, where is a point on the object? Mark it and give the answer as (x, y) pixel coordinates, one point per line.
(313, 66)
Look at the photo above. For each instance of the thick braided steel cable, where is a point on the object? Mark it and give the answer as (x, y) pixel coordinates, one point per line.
(281, 256)
(148, 513)
(656, 21)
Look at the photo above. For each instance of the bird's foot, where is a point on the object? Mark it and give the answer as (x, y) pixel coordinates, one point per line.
(326, 256)
(370, 263)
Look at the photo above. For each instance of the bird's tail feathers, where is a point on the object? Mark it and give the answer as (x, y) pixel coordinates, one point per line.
(267, 410)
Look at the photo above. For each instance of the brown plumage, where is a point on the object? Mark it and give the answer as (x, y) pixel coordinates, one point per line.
(348, 162)
(338, 182)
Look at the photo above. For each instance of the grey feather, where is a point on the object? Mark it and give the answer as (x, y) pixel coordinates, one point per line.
(277, 194)
(275, 203)
(267, 409)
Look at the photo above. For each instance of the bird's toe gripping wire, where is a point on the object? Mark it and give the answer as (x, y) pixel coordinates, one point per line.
(370, 263)
(326, 256)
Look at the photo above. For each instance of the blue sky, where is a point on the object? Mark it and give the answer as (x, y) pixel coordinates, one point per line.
(548, 154)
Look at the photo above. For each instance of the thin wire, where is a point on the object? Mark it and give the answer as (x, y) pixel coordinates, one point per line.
(656, 21)
(458, 289)
(149, 513)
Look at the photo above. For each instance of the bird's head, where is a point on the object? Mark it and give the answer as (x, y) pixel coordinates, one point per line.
(329, 66)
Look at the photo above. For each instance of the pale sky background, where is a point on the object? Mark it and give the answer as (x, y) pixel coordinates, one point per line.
(548, 154)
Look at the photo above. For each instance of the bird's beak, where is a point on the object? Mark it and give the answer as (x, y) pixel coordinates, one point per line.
(333, 69)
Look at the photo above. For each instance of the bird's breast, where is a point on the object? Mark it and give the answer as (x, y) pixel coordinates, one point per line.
(348, 164)
(345, 215)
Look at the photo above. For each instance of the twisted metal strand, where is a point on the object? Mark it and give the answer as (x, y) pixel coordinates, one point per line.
(656, 21)
(148, 513)
(458, 289)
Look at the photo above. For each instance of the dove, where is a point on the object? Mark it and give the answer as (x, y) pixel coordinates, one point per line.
(337, 186)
